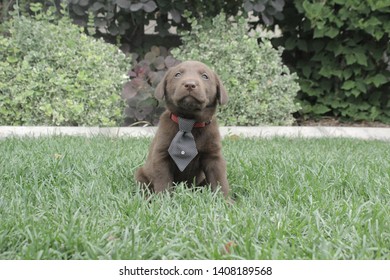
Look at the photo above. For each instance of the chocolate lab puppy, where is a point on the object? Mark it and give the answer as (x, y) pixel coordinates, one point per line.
(187, 144)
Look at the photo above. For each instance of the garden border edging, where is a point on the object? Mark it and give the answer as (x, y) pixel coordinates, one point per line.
(367, 133)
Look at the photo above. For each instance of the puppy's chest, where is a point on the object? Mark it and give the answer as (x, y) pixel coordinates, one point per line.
(205, 140)
(205, 143)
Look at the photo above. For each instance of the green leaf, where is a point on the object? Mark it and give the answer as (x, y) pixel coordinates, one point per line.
(36, 7)
(12, 59)
(306, 70)
(373, 21)
(361, 86)
(320, 109)
(325, 71)
(347, 73)
(318, 33)
(331, 32)
(350, 59)
(378, 4)
(355, 92)
(361, 59)
(377, 80)
(313, 10)
(334, 46)
(347, 85)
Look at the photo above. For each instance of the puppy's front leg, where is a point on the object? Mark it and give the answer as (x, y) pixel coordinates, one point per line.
(214, 168)
(163, 175)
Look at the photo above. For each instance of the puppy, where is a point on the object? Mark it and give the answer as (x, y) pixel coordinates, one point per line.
(192, 92)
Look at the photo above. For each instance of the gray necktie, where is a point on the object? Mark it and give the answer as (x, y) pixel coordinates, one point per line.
(183, 147)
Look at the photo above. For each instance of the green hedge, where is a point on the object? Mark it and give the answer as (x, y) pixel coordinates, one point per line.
(53, 74)
(125, 20)
(340, 50)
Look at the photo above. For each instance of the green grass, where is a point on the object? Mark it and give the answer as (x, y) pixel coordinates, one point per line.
(75, 198)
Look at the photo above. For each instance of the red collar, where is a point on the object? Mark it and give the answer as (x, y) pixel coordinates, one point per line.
(175, 118)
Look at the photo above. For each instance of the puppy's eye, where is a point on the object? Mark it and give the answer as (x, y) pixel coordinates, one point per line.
(204, 76)
(178, 75)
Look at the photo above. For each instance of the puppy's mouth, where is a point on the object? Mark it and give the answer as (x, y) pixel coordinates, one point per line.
(191, 103)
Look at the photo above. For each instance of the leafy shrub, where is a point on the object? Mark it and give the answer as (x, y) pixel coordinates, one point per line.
(128, 18)
(125, 20)
(340, 50)
(267, 10)
(260, 87)
(52, 74)
(139, 92)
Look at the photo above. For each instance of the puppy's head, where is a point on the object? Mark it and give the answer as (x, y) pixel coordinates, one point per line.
(191, 90)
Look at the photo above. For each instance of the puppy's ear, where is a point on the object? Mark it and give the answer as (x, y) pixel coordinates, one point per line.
(221, 91)
(160, 89)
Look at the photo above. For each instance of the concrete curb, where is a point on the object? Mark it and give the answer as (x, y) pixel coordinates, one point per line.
(367, 133)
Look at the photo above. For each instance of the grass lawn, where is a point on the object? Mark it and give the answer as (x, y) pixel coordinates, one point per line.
(75, 198)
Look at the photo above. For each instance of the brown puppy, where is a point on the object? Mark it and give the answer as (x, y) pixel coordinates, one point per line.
(191, 91)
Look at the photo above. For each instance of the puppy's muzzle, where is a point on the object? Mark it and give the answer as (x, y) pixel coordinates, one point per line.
(191, 96)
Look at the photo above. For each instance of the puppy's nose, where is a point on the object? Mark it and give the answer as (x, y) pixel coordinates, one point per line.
(190, 85)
